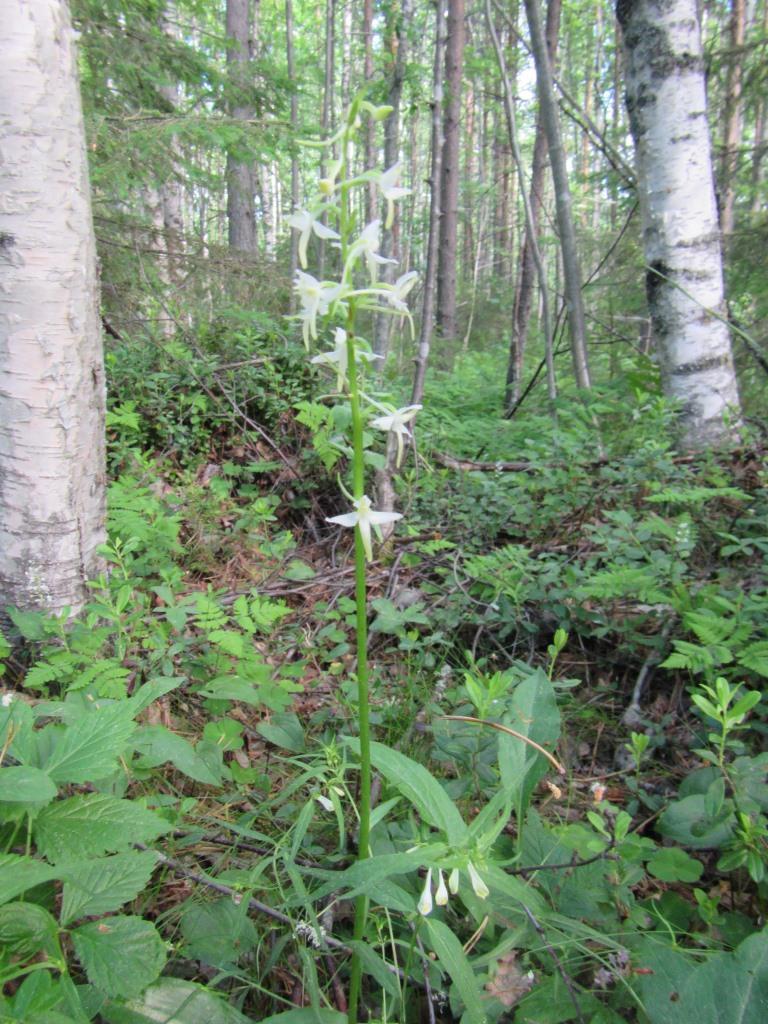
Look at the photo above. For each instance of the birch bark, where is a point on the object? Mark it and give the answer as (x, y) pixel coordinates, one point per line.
(666, 101)
(52, 463)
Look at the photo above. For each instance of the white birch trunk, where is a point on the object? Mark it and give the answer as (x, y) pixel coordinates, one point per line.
(666, 100)
(52, 468)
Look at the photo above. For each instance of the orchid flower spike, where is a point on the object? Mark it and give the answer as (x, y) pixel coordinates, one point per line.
(425, 901)
(364, 517)
(366, 245)
(388, 184)
(338, 357)
(395, 424)
(304, 222)
(315, 298)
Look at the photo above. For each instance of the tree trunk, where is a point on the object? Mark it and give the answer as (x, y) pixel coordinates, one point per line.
(563, 205)
(733, 119)
(509, 112)
(52, 461)
(526, 273)
(435, 180)
(666, 101)
(171, 191)
(291, 65)
(760, 136)
(449, 188)
(241, 218)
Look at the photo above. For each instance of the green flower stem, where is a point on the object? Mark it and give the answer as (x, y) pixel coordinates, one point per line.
(363, 704)
(361, 591)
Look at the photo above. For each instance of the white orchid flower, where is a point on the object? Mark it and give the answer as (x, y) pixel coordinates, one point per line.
(425, 901)
(366, 245)
(327, 185)
(304, 222)
(315, 298)
(324, 802)
(395, 423)
(441, 893)
(480, 888)
(388, 184)
(397, 292)
(338, 357)
(364, 517)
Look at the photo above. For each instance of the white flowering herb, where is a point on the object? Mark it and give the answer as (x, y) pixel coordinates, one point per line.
(395, 423)
(478, 885)
(303, 222)
(333, 305)
(364, 517)
(315, 298)
(338, 357)
(366, 245)
(441, 893)
(388, 182)
(425, 901)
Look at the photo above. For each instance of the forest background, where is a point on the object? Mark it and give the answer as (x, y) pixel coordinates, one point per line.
(566, 631)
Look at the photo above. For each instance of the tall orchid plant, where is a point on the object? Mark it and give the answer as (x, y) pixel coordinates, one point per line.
(335, 304)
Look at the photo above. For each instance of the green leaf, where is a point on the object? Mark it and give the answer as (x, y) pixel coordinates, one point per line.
(687, 822)
(228, 640)
(26, 930)
(233, 688)
(158, 745)
(87, 750)
(362, 874)
(172, 1001)
(377, 968)
(421, 788)
(22, 785)
(306, 1015)
(284, 731)
(535, 715)
(217, 933)
(298, 571)
(121, 955)
(265, 613)
(18, 874)
(755, 657)
(675, 865)
(105, 884)
(727, 988)
(455, 963)
(91, 824)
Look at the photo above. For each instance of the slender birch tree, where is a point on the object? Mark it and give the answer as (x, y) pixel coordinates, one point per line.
(52, 461)
(667, 105)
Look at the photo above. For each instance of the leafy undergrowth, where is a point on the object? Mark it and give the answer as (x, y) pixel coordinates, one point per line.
(570, 818)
